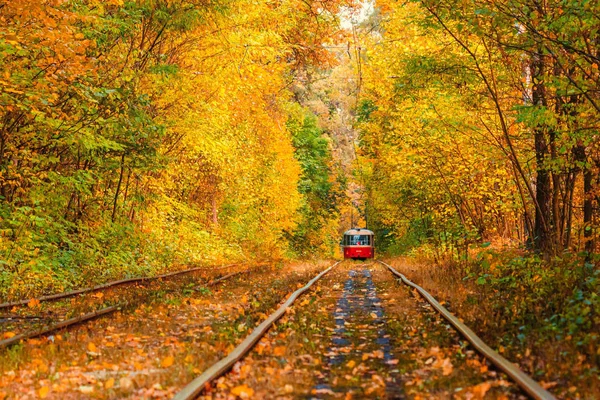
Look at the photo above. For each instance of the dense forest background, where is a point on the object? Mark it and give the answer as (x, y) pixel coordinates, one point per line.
(481, 120)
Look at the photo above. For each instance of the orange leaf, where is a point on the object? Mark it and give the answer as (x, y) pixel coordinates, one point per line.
(167, 361)
(43, 392)
(242, 391)
(8, 335)
(92, 347)
(109, 383)
(33, 303)
(279, 351)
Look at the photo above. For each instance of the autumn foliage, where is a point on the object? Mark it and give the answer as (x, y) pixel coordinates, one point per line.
(137, 135)
(481, 120)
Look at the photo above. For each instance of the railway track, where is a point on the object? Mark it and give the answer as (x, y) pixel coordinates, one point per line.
(361, 344)
(59, 296)
(152, 347)
(352, 331)
(58, 319)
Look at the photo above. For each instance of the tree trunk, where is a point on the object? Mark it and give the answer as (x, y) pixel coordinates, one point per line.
(587, 212)
(543, 214)
(116, 201)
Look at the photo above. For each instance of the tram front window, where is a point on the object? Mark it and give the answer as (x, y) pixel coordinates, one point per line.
(358, 240)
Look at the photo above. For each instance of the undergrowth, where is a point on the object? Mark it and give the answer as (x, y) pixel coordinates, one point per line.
(52, 262)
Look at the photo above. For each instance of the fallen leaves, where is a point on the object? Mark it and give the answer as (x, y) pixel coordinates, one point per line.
(86, 389)
(279, 351)
(125, 383)
(242, 391)
(479, 391)
(33, 303)
(167, 361)
(288, 389)
(43, 392)
(445, 365)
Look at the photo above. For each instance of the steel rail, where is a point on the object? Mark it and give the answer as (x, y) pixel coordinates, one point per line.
(219, 280)
(111, 284)
(60, 325)
(195, 387)
(86, 317)
(526, 383)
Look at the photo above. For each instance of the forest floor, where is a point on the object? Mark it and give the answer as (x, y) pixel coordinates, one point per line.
(357, 334)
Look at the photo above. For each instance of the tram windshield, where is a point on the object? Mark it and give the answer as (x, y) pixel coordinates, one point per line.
(357, 240)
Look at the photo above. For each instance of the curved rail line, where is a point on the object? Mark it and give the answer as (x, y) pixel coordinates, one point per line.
(530, 386)
(92, 315)
(111, 284)
(194, 388)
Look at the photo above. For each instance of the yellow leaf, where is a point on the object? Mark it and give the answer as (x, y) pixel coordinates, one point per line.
(43, 392)
(167, 361)
(109, 383)
(242, 391)
(351, 364)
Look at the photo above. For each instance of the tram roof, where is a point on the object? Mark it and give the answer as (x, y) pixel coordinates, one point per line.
(358, 231)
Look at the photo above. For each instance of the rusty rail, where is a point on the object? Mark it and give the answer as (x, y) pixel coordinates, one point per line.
(60, 325)
(111, 284)
(95, 314)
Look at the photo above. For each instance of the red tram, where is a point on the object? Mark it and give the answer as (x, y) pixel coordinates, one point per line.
(358, 244)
